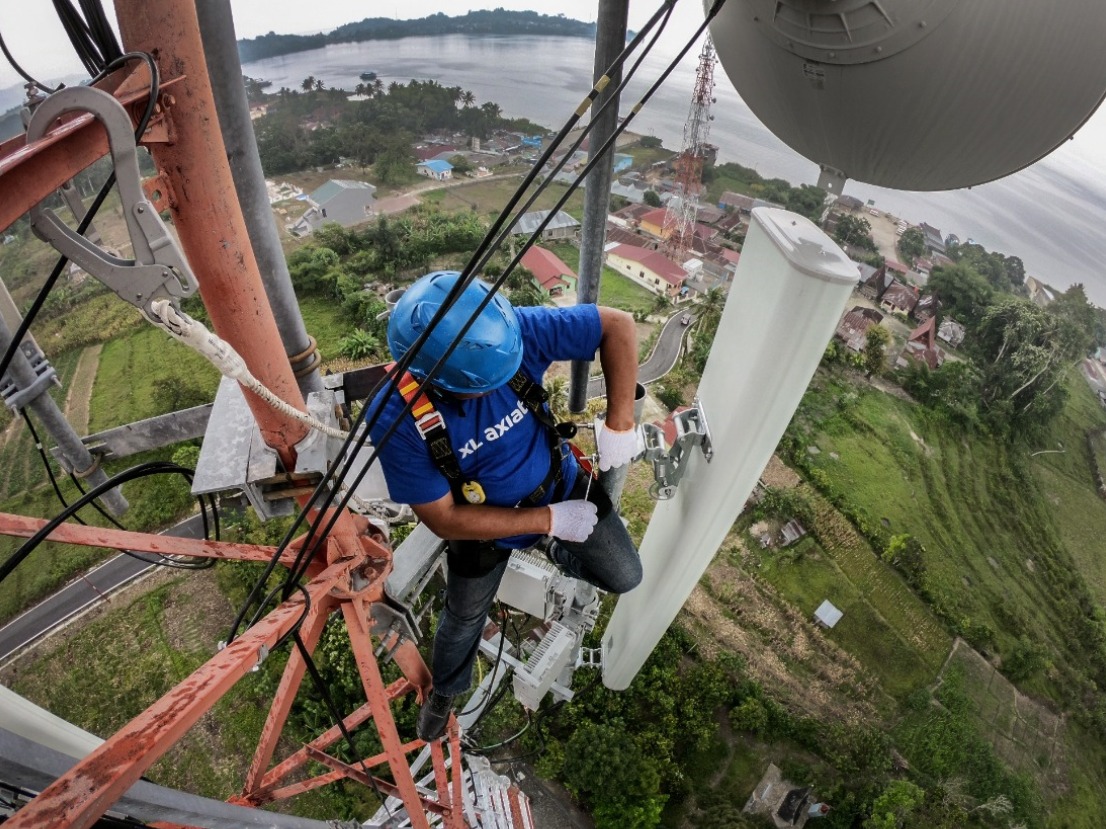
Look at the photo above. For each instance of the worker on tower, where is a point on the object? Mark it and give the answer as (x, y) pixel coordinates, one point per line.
(481, 461)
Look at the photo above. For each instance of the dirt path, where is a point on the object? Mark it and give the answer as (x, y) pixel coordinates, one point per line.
(79, 397)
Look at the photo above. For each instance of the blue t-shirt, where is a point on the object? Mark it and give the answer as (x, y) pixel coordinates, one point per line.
(497, 440)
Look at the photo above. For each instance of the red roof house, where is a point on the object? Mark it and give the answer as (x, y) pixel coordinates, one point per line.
(550, 274)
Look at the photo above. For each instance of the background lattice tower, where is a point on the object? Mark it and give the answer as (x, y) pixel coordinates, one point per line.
(679, 224)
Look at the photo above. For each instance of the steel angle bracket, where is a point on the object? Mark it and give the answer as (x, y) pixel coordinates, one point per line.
(669, 465)
(159, 270)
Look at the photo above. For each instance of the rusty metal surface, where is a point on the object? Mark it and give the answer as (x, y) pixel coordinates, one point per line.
(285, 695)
(20, 526)
(31, 172)
(78, 798)
(358, 626)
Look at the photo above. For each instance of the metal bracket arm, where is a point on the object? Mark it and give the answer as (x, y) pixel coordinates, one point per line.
(669, 465)
(159, 270)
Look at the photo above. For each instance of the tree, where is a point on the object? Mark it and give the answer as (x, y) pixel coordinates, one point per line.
(528, 295)
(898, 800)
(308, 83)
(1024, 354)
(467, 99)
(962, 291)
(651, 198)
(650, 142)
(854, 230)
(912, 244)
(875, 346)
(557, 389)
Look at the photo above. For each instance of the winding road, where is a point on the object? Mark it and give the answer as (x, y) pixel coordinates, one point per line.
(665, 354)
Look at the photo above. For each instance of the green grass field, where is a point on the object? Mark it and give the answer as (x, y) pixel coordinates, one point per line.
(1003, 529)
(131, 367)
(489, 197)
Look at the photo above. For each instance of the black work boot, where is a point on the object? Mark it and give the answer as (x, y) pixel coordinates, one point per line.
(433, 716)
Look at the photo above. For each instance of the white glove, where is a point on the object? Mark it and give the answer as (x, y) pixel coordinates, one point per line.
(615, 448)
(572, 520)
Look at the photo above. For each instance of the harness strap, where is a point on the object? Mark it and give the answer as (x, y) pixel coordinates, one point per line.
(431, 427)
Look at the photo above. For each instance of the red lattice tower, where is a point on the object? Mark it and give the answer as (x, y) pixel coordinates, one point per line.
(679, 222)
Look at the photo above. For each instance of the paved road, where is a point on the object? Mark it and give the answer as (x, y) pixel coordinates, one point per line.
(80, 594)
(665, 354)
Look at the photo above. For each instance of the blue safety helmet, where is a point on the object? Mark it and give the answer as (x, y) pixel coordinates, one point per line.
(488, 354)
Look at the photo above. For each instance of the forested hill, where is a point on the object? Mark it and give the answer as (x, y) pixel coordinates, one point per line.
(496, 22)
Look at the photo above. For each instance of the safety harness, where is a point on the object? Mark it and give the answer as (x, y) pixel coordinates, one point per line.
(431, 427)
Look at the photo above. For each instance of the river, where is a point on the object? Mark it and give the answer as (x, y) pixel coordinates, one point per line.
(1052, 214)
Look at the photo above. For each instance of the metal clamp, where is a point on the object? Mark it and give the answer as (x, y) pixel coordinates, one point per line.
(669, 465)
(159, 270)
(45, 377)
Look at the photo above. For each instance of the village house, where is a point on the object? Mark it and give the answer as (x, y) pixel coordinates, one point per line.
(850, 204)
(552, 276)
(896, 268)
(648, 268)
(899, 298)
(951, 332)
(561, 226)
(653, 222)
(437, 169)
(339, 200)
(921, 346)
(877, 281)
(854, 325)
(629, 217)
(622, 236)
(933, 241)
(1039, 292)
(926, 307)
(430, 152)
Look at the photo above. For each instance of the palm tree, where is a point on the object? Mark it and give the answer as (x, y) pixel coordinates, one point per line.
(360, 89)
(319, 85)
(557, 389)
(308, 83)
(378, 87)
(468, 99)
(712, 303)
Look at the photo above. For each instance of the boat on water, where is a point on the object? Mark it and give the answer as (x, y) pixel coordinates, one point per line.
(368, 76)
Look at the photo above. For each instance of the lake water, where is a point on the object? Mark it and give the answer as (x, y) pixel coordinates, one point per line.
(1052, 215)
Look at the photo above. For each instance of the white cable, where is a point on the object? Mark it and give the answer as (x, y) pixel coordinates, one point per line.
(222, 355)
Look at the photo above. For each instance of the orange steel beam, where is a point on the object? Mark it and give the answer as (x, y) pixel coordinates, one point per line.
(31, 172)
(78, 798)
(20, 526)
(286, 693)
(205, 210)
(346, 770)
(313, 753)
(268, 786)
(357, 624)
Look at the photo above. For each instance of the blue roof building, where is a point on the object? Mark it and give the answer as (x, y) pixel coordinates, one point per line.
(437, 169)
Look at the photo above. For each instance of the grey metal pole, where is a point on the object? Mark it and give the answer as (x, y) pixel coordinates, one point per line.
(76, 454)
(221, 54)
(610, 38)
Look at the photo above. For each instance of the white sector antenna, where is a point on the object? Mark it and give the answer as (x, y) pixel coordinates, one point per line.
(789, 291)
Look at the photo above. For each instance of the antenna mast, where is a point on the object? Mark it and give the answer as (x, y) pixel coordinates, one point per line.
(679, 222)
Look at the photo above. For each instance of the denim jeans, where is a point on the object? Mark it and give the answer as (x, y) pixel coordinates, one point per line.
(607, 559)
